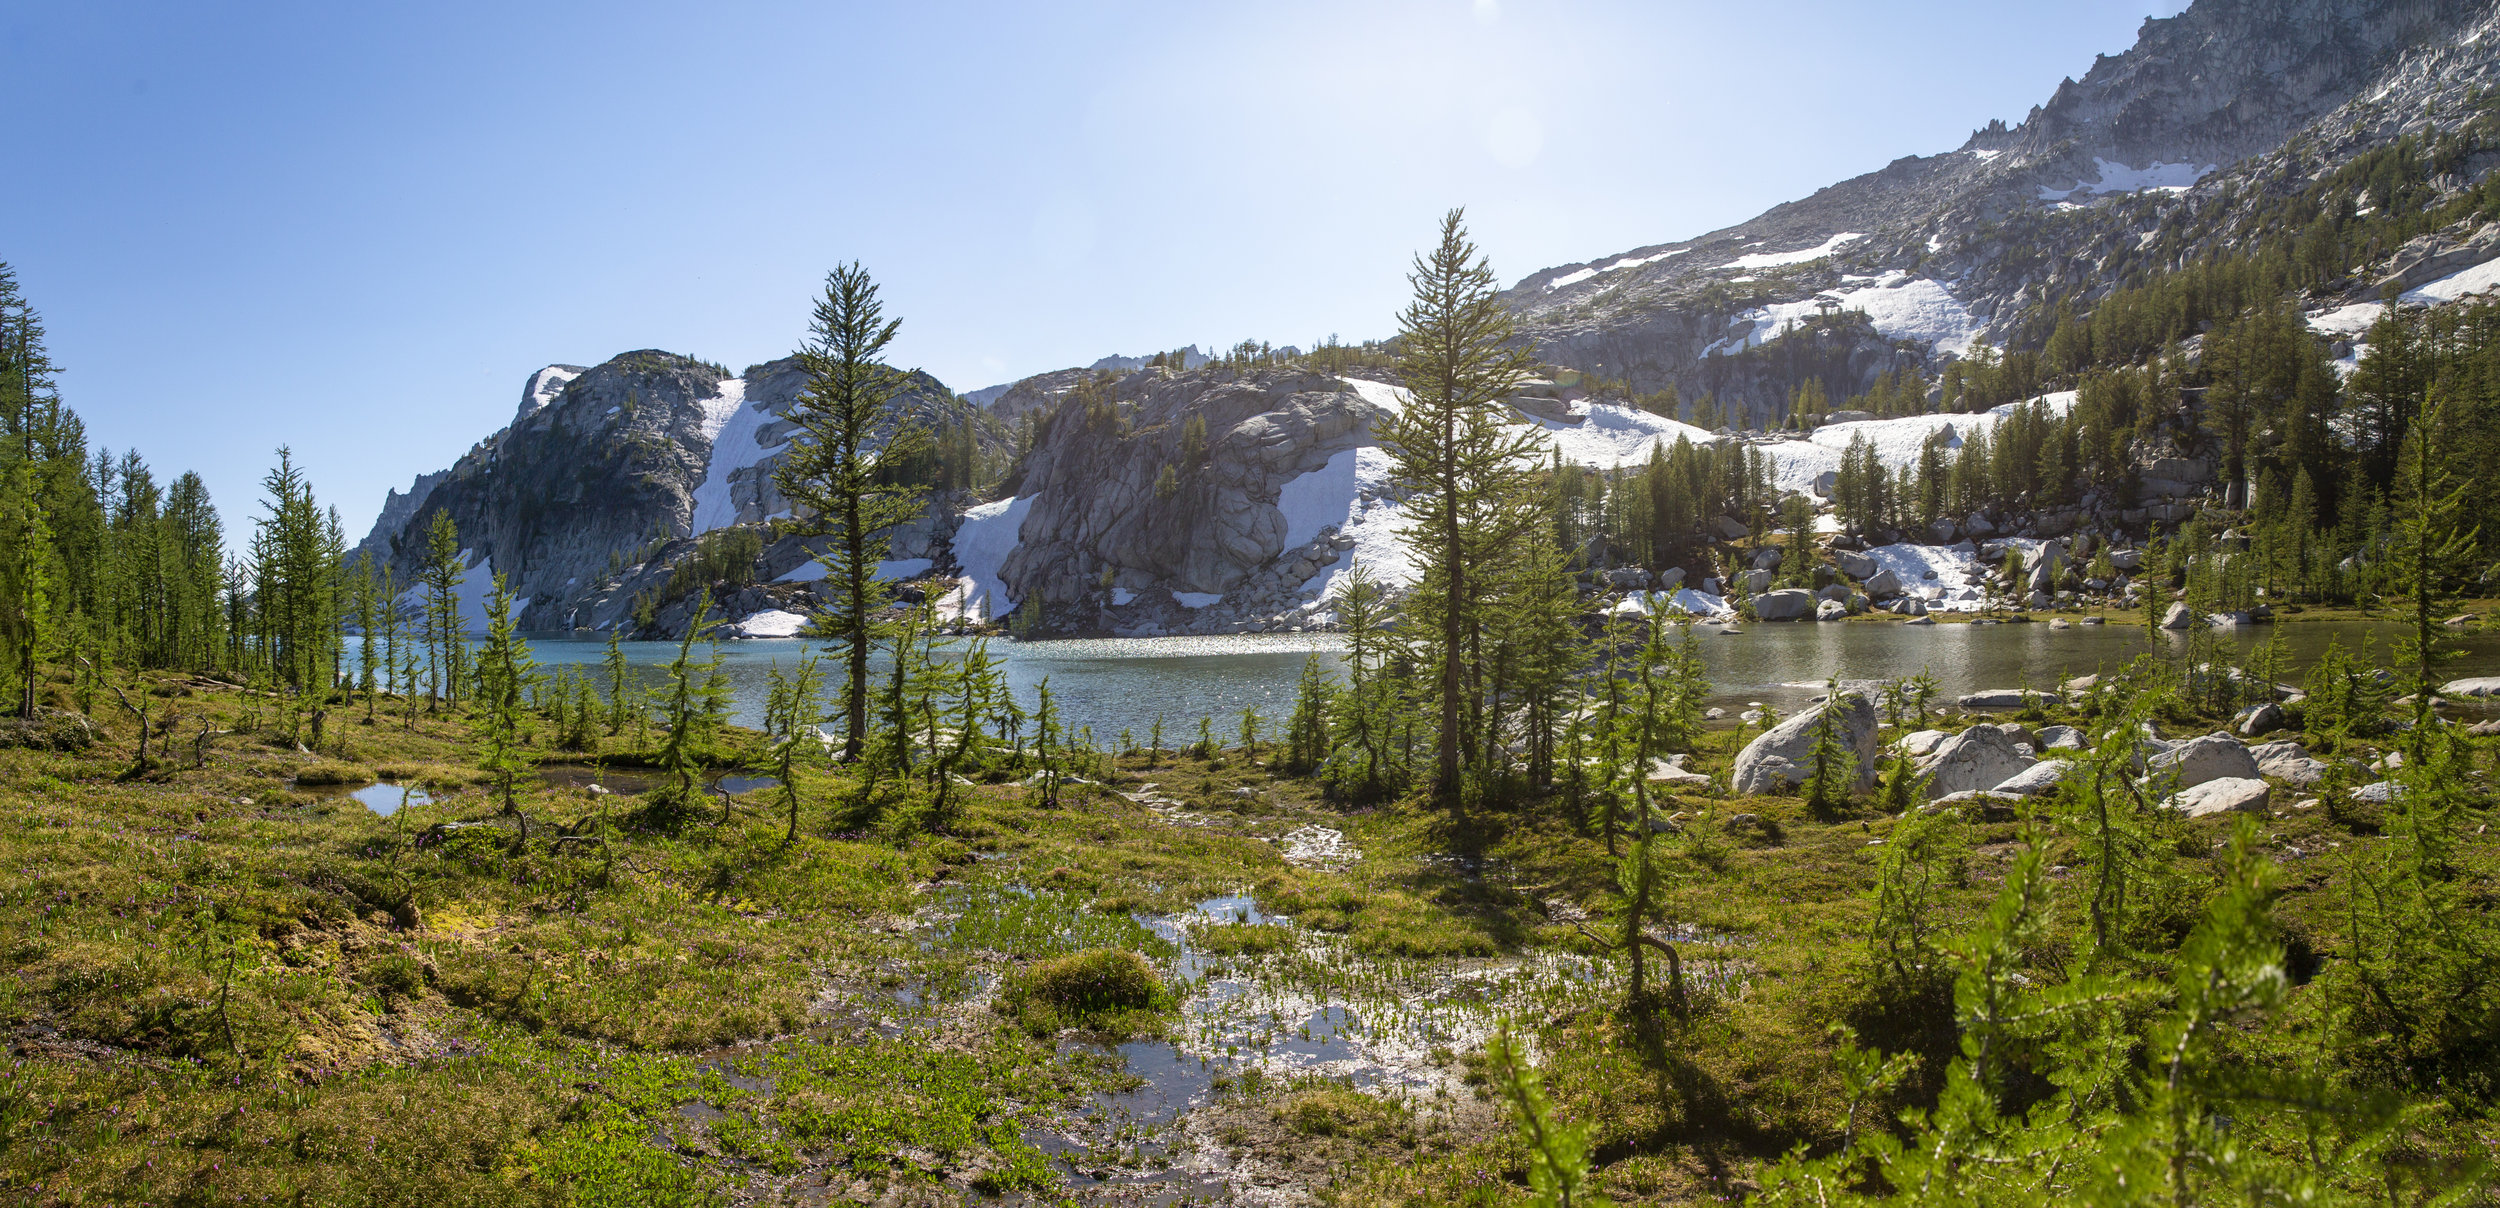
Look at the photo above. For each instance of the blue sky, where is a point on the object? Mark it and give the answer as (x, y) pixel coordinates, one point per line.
(355, 228)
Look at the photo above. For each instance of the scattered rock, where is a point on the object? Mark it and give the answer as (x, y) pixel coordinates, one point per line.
(1663, 772)
(1786, 605)
(2288, 762)
(2380, 794)
(2260, 719)
(1981, 757)
(2478, 687)
(1920, 742)
(1831, 610)
(1988, 699)
(48, 730)
(2037, 780)
(2213, 757)
(2179, 617)
(2061, 738)
(2220, 795)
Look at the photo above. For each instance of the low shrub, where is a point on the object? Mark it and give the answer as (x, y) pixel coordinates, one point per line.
(319, 774)
(1109, 990)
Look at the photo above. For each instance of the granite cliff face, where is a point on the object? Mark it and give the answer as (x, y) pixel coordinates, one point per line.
(1176, 492)
(611, 475)
(2154, 158)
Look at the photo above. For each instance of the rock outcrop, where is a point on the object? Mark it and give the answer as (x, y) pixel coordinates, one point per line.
(609, 477)
(1174, 486)
(1781, 757)
(1977, 759)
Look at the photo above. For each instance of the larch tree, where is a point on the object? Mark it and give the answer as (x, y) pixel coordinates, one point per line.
(831, 475)
(441, 575)
(1468, 475)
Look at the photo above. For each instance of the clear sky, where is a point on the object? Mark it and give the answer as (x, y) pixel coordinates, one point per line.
(355, 228)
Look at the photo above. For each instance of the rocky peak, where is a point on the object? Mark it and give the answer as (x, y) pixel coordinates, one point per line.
(543, 387)
(2172, 142)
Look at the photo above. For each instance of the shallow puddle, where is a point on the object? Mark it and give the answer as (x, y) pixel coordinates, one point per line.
(382, 796)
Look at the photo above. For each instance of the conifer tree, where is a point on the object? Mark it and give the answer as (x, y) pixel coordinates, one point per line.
(361, 589)
(505, 673)
(441, 574)
(789, 720)
(1466, 472)
(614, 661)
(693, 707)
(832, 473)
(33, 598)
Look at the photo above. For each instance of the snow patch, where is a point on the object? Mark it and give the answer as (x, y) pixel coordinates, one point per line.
(1800, 256)
(1577, 276)
(893, 570)
(2119, 178)
(1797, 463)
(2347, 320)
(1952, 565)
(476, 590)
(545, 386)
(1638, 261)
(987, 535)
(1196, 599)
(1684, 601)
(2462, 284)
(731, 426)
(1900, 306)
(1611, 435)
(1323, 497)
(1392, 399)
(1375, 519)
(1122, 597)
(770, 623)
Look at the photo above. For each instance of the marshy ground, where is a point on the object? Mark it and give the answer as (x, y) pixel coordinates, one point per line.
(226, 983)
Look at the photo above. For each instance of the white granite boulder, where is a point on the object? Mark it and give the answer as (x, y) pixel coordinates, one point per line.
(2219, 796)
(1782, 756)
(2213, 757)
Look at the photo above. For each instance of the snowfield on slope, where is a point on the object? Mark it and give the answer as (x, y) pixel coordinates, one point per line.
(1900, 306)
(1577, 276)
(1800, 256)
(1797, 463)
(732, 427)
(2116, 177)
(1353, 493)
(987, 535)
(2352, 322)
(893, 570)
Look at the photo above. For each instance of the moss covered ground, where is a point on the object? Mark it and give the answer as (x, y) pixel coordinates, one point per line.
(228, 983)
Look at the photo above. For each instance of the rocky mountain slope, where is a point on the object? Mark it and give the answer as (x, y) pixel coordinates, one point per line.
(2154, 158)
(1232, 496)
(608, 476)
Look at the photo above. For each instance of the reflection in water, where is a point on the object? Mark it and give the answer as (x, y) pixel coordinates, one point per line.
(381, 796)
